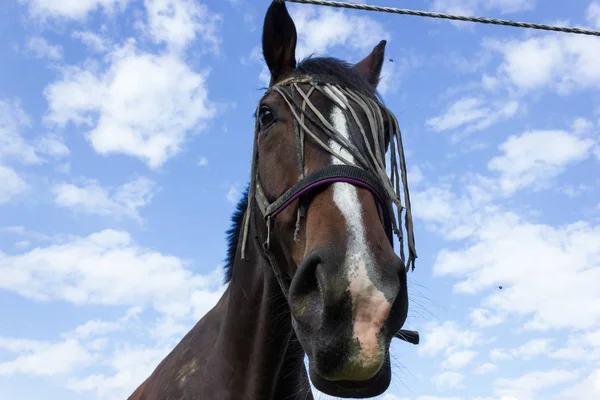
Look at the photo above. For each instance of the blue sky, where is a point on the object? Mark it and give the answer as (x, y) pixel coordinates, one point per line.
(125, 137)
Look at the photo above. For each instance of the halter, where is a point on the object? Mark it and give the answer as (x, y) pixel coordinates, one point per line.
(368, 171)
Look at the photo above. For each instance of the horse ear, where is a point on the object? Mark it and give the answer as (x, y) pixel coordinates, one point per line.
(371, 65)
(279, 40)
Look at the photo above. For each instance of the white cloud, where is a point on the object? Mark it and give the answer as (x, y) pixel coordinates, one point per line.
(534, 157)
(485, 368)
(473, 114)
(527, 351)
(506, 249)
(525, 162)
(510, 251)
(51, 145)
(532, 348)
(583, 346)
(15, 149)
(389, 78)
(95, 344)
(12, 145)
(484, 318)
(455, 217)
(96, 327)
(588, 389)
(108, 268)
(559, 62)
(256, 56)
(437, 398)
(386, 396)
(71, 9)
(21, 231)
(597, 152)
(63, 168)
(459, 359)
(526, 386)
(92, 198)
(12, 184)
(472, 7)
(44, 358)
(448, 337)
(233, 193)
(449, 380)
(593, 14)
(499, 355)
(321, 29)
(143, 105)
(415, 175)
(574, 190)
(202, 162)
(131, 365)
(393, 71)
(394, 397)
(39, 47)
(95, 42)
(177, 23)
(22, 244)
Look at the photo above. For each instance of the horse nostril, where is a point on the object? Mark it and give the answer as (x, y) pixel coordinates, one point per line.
(306, 276)
(306, 301)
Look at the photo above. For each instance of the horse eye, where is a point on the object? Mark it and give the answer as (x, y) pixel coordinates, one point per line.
(265, 117)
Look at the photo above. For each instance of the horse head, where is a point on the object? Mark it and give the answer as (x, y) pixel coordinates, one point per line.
(320, 184)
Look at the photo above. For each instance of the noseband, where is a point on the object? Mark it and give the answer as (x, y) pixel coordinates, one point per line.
(368, 172)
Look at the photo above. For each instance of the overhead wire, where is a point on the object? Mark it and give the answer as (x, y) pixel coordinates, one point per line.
(432, 14)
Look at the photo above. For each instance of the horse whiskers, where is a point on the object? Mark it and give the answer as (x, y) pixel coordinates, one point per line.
(419, 295)
(398, 377)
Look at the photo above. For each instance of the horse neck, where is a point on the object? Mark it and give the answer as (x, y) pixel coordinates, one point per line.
(256, 340)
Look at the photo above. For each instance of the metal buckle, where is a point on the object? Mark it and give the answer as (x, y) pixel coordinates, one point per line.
(267, 243)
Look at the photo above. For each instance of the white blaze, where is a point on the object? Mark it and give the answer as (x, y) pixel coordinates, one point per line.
(369, 305)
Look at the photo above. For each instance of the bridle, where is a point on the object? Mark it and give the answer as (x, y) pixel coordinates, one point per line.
(369, 171)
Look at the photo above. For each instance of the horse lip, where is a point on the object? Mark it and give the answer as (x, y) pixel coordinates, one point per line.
(372, 387)
(350, 385)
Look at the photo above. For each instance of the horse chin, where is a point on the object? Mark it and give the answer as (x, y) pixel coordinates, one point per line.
(373, 387)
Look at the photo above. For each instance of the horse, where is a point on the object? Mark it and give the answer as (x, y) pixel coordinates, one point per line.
(311, 267)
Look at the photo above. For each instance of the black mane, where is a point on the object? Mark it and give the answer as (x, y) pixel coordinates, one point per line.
(330, 69)
(336, 71)
(233, 234)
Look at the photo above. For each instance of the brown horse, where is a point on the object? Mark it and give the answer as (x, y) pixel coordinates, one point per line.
(311, 265)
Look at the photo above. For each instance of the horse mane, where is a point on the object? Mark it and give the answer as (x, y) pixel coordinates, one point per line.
(233, 233)
(330, 69)
(339, 72)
